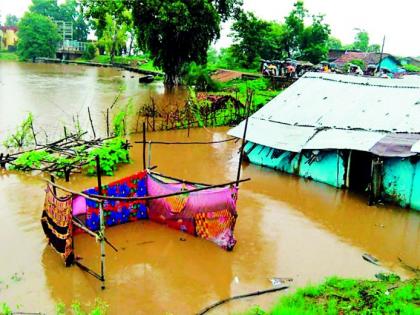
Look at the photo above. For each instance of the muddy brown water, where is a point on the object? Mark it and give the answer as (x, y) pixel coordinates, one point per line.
(287, 226)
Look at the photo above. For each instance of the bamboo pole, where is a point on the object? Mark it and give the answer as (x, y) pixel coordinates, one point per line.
(72, 191)
(168, 195)
(193, 142)
(54, 188)
(241, 153)
(91, 123)
(144, 146)
(101, 222)
(107, 122)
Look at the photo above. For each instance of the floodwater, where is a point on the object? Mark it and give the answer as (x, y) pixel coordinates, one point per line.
(287, 226)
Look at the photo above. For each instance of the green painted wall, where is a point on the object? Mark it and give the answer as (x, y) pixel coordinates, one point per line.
(401, 177)
(401, 182)
(327, 168)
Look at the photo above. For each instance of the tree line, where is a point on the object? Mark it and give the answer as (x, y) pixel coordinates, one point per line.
(178, 33)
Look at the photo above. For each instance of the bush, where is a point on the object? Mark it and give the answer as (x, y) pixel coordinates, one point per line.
(199, 76)
(90, 52)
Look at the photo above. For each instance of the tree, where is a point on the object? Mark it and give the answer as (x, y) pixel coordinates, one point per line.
(178, 32)
(47, 8)
(69, 11)
(334, 43)
(361, 41)
(249, 34)
(314, 41)
(255, 38)
(38, 37)
(98, 10)
(11, 20)
(294, 27)
(114, 36)
(374, 48)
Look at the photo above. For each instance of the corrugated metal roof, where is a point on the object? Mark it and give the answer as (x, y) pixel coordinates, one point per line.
(347, 102)
(325, 101)
(274, 135)
(344, 139)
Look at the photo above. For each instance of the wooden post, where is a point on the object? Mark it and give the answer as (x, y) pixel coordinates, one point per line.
(91, 123)
(241, 153)
(65, 132)
(107, 122)
(101, 222)
(33, 133)
(67, 174)
(144, 146)
(53, 181)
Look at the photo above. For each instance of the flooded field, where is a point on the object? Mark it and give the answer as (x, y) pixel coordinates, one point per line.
(287, 227)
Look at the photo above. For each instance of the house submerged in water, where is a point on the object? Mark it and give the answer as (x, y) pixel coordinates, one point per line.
(361, 133)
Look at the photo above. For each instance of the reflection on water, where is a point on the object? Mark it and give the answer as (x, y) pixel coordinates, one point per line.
(287, 227)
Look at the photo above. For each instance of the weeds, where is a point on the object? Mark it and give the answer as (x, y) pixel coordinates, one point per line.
(23, 135)
(389, 295)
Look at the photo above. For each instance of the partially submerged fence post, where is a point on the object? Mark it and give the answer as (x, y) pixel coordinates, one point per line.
(107, 122)
(241, 153)
(91, 123)
(53, 187)
(144, 145)
(101, 222)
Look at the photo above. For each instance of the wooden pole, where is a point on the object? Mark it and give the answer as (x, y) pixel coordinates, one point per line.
(182, 192)
(91, 124)
(101, 222)
(53, 187)
(241, 153)
(107, 122)
(381, 56)
(33, 133)
(65, 132)
(144, 146)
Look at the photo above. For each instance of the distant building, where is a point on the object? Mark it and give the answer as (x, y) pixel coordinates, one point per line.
(410, 61)
(388, 62)
(361, 133)
(8, 37)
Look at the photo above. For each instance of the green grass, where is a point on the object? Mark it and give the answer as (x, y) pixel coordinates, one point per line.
(9, 56)
(349, 296)
(261, 87)
(143, 61)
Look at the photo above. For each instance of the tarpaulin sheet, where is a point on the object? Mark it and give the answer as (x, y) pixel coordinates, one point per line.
(396, 145)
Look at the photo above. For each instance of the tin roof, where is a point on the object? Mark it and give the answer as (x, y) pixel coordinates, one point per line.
(347, 108)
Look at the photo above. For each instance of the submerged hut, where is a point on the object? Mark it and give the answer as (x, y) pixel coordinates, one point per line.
(360, 133)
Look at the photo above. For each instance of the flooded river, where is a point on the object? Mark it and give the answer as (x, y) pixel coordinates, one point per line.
(287, 226)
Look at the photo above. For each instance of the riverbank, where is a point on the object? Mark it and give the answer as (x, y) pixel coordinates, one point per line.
(388, 295)
(8, 56)
(99, 64)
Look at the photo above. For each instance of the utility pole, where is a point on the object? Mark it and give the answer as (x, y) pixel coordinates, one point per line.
(382, 52)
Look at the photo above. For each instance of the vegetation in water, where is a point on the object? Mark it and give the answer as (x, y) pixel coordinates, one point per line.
(389, 295)
(23, 135)
(99, 308)
(112, 153)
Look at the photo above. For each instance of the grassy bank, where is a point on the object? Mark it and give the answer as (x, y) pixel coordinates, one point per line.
(389, 295)
(142, 61)
(6, 55)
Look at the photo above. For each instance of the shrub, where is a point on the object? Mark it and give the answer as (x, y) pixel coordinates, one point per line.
(90, 52)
